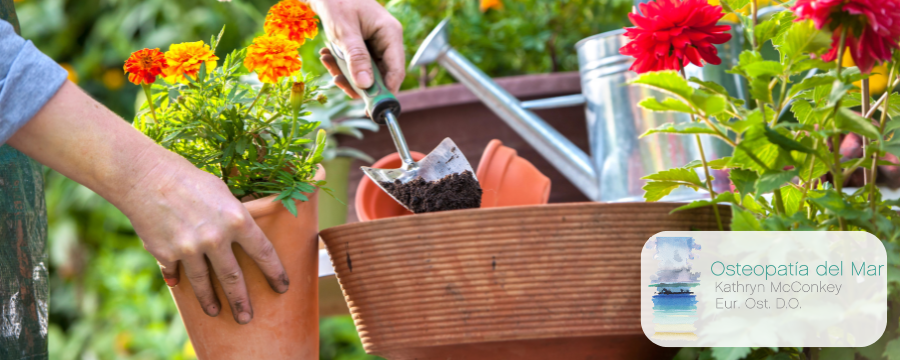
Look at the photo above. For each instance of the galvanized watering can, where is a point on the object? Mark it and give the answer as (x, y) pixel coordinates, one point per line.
(619, 158)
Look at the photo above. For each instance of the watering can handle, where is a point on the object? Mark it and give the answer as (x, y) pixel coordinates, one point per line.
(378, 98)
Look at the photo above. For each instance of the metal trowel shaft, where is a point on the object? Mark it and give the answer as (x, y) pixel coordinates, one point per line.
(399, 140)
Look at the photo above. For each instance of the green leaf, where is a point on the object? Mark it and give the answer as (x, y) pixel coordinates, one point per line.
(763, 68)
(809, 83)
(663, 182)
(710, 104)
(838, 90)
(735, 4)
(791, 198)
(668, 81)
(681, 128)
(759, 90)
(751, 204)
(668, 104)
(742, 220)
(773, 180)
(744, 180)
(290, 205)
(892, 350)
(835, 204)
(785, 142)
(725, 197)
(848, 120)
(688, 176)
(799, 39)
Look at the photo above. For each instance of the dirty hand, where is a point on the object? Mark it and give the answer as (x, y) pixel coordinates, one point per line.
(349, 23)
(184, 215)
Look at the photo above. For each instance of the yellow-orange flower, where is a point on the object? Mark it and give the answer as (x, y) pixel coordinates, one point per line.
(273, 57)
(73, 75)
(293, 19)
(490, 4)
(143, 66)
(186, 58)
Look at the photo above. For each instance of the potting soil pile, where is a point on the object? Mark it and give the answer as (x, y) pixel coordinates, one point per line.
(453, 192)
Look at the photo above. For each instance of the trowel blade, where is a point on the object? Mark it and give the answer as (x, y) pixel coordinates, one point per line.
(444, 160)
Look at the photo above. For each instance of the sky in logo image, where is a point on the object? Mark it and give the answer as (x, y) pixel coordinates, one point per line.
(674, 255)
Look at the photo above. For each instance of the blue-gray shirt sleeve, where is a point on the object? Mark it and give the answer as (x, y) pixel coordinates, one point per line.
(28, 79)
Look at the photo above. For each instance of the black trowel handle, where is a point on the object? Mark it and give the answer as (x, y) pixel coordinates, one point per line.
(378, 98)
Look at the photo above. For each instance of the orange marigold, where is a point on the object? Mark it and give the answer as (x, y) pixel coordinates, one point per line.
(293, 19)
(490, 4)
(143, 66)
(186, 58)
(273, 57)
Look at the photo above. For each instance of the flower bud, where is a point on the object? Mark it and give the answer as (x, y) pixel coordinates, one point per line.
(297, 95)
(322, 99)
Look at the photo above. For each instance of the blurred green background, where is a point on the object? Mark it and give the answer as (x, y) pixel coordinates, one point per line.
(108, 300)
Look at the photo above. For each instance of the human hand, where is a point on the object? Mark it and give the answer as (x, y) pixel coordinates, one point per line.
(188, 217)
(349, 23)
(183, 215)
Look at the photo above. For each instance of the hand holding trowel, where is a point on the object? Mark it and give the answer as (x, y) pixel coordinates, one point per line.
(443, 180)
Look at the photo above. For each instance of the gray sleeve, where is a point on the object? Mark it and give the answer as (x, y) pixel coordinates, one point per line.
(28, 79)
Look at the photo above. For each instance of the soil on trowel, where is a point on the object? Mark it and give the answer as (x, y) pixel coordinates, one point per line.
(453, 192)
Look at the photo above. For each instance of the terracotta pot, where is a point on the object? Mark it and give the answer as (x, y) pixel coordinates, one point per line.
(509, 180)
(530, 282)
(373, 203)
(433, 113)
(284, 326)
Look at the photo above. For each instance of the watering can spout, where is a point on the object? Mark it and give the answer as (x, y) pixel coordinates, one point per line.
(568, 159)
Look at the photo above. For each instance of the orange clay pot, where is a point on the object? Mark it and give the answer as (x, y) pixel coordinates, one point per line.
(509, 180)
(284, 326)
(505, 178)
(372, 203)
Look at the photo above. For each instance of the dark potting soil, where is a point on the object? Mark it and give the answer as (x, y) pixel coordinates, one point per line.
(453, 192)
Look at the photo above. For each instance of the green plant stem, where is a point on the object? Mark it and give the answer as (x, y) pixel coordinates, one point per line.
(866, 102)
(712, 193)
(287, 145)
(881, 123)
(754, 8)
(838, 173)
(146, 88)
(840, 55)
(781, 97)
(263, 90)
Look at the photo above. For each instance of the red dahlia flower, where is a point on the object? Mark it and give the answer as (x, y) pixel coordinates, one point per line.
(873, 27)
(672, 33)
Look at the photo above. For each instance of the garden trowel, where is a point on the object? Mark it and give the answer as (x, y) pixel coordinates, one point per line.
(446, 159)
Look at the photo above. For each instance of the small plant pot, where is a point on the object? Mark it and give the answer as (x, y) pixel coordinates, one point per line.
(372, 202)
(284, 326)
(557, 281)
(509, 180)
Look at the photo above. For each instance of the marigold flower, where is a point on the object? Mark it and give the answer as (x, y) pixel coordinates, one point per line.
(273, 57)
(186, 58)
(872, 27)
(672, 33)
(143, 66)
(293, 19)
(485, 5)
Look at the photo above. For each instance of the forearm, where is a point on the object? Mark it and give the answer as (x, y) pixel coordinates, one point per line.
(83, 140)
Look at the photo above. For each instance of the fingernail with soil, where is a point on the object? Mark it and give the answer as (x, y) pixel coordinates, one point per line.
(171, 282)
(244, 318)
(212, 310)
(363, 79)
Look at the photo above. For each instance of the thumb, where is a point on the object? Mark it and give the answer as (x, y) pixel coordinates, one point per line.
(359, 61)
